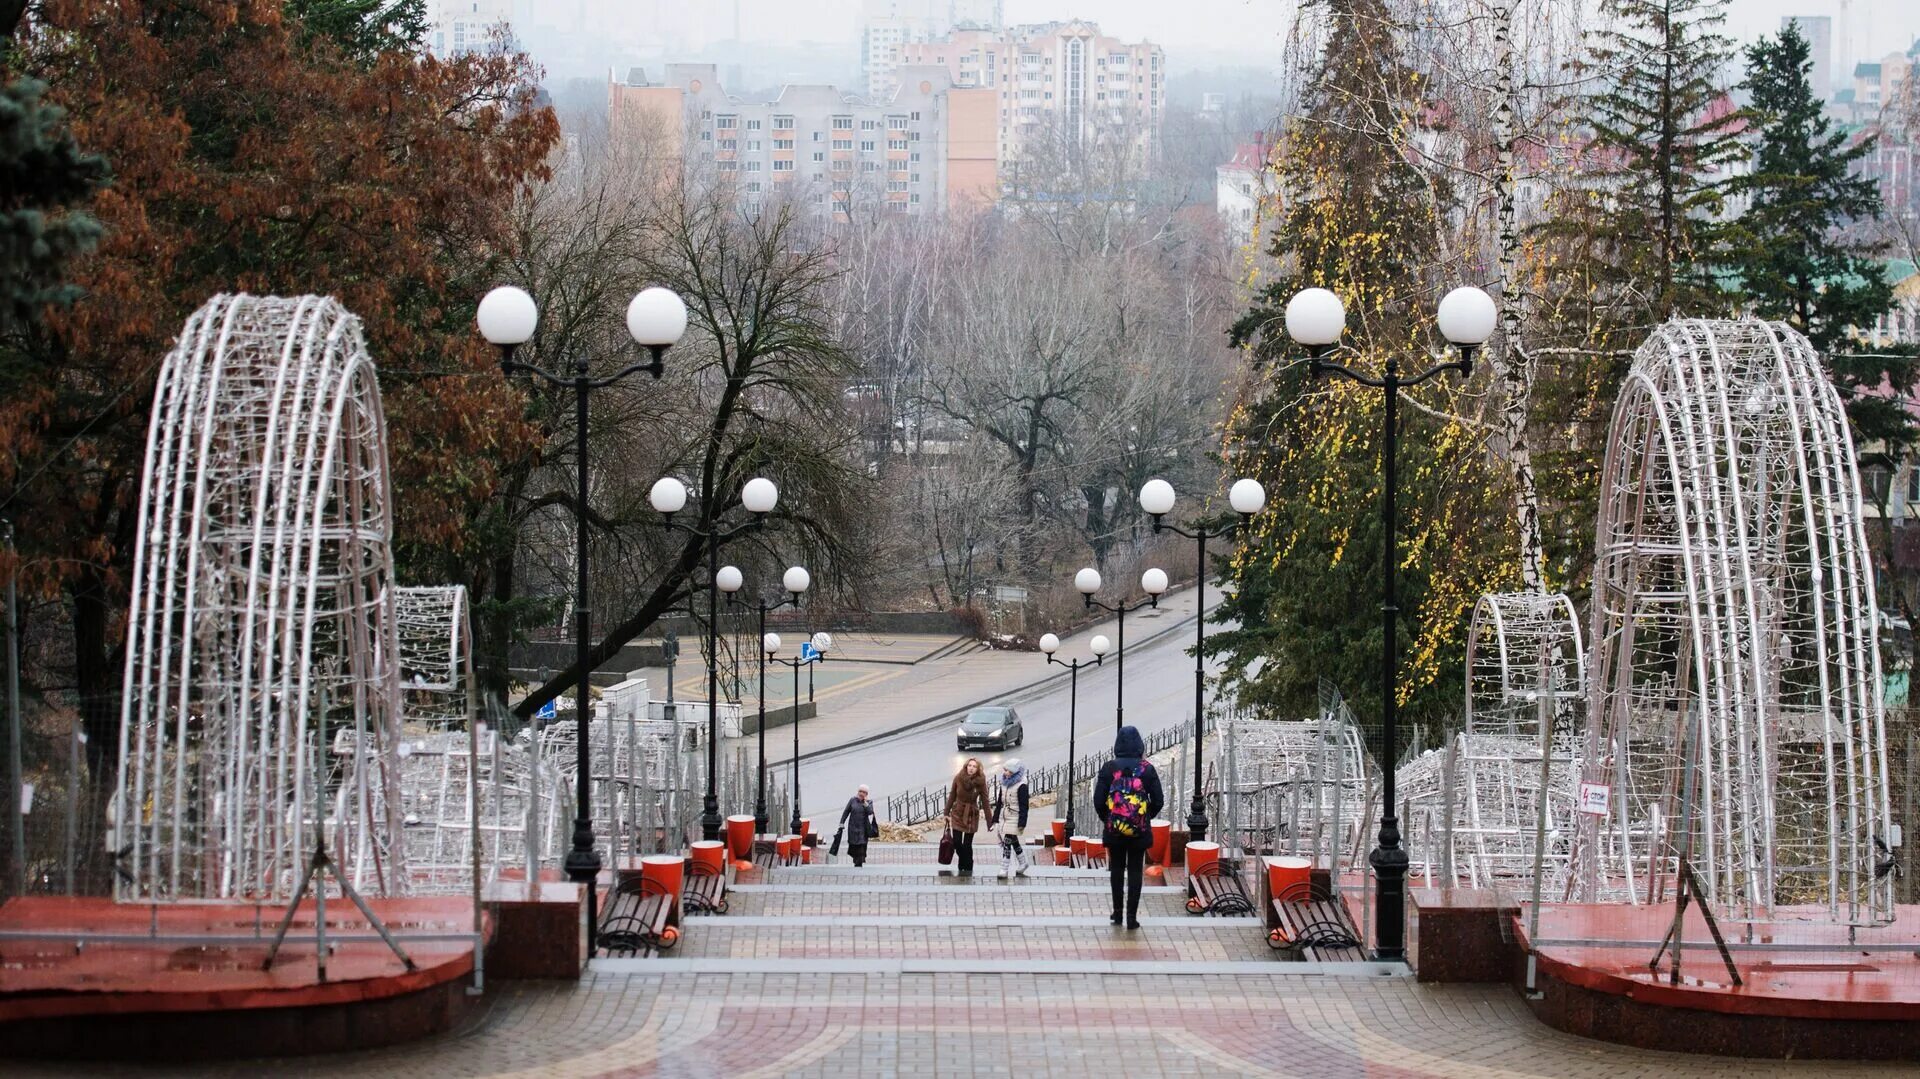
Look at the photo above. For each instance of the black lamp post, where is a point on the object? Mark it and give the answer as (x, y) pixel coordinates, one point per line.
(1315, 320)
(796, 581)
(1153, 583)
(668, 497)
(1247, 498)
(769, 645)
(656, 318)
(1050, 643)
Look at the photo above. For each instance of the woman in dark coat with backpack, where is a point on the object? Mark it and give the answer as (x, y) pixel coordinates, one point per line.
(1126, 795)
(858, 825)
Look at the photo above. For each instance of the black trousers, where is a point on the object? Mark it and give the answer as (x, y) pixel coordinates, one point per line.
(858, 852)
(963, 850)
(1126, 869)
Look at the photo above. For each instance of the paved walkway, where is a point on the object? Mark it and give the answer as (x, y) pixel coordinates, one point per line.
(779, 988)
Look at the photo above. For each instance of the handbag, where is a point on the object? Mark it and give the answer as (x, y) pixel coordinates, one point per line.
(946, 847)
(834, 850)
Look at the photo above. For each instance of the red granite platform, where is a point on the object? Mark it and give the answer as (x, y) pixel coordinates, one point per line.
(200, 991)
(1809, 989)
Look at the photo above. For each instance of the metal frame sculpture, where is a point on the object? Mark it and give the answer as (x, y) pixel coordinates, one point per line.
(1296, 787)
(1524, 656)
(1736, 717)
(262, 598)
(447, 809)
(1474, 811)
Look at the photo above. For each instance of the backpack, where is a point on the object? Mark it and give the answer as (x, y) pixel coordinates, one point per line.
(1127, 800)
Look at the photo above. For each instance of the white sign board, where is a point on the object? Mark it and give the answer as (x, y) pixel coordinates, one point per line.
(1594, 798)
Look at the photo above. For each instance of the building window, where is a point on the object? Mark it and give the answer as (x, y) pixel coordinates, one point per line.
(753, 185)
(783, 123)
(706, 136)
(866, 146)
(842, 165)
(914, 157)
(896, 185)
(753, 125)
(896, 121)
(753, 166)
(783, 166)
(896, 144)
(869, 166)
(726, 166)
(843, 144)
(753, 145)
(816, 136)
(914, 198)
(843, 123)
(726, 123)
(706, 114)
(729, 144)
(819, 155)
(916, 116)
(869, 125)
(783, 144)
(916, 177)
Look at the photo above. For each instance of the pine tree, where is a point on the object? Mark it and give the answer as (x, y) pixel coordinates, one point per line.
(44, 178)
(1661, 140)
(1790, 252)
(1359, 219)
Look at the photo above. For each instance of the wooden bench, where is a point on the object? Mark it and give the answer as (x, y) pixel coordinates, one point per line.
(1313, 924)
(1216, 889)
(705, 891)
(641, 920)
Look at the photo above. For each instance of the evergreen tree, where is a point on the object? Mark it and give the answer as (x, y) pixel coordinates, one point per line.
(361, 29)
(1359, 219)
(44, 175)
(1790, 251)
(1661, 138)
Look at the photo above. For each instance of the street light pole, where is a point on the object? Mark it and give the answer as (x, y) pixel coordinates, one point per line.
(656, 319)
(1247, 498)
(770, 645)
(1050, 643)
(1153, 583)
(1315, 319)
(795, 576)
(668, 497)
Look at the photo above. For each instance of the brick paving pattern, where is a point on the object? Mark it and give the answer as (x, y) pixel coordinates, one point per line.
(1026, 1020)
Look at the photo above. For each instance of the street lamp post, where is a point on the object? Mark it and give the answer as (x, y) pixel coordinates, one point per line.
(1247, 498)
(668, 497)
(656, 319)
(1050, 643)
(1153, 583)
(822, 643)
(796, 581)
(1315, 319)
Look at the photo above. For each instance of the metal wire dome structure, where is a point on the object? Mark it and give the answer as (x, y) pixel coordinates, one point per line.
(262, 680)
(1524, 661)
(1735, 708)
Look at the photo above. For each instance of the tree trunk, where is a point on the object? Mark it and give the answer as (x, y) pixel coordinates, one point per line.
(1512, 368)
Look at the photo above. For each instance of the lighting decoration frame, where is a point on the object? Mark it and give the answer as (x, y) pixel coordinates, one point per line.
(1735, 638)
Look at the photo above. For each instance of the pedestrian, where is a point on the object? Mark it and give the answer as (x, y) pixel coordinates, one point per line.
(859, 824)
(1010, 817)
(1126, 795)
(966, 804)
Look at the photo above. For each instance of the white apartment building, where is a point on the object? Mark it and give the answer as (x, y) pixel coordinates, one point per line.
(928, 147)
(888, 26)
(462, 26)
(1240, 185)
(1064, 78)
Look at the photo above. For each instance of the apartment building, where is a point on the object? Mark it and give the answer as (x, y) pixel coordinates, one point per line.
(462, 26)
(930, 146)
(888, 26)
(1056, 79)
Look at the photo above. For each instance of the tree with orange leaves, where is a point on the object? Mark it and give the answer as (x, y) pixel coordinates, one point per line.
(253, 152)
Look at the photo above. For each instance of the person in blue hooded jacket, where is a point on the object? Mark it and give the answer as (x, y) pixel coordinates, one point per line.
(1127, 796)
(1010, 817)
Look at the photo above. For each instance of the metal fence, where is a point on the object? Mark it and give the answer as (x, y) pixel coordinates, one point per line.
(929, 803)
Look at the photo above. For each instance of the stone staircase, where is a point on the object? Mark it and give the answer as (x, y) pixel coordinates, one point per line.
(902, 911)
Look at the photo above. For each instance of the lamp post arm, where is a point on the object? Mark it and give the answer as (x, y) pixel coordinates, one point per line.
(515, 367)
(1464, 366)
(655, 367)
(1348, 372)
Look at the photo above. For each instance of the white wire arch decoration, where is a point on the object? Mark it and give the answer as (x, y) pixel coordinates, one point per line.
(261, 599)
(1735, 703)
(1524, 660)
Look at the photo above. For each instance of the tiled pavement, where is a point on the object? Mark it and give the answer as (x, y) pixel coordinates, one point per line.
(1023, 1014)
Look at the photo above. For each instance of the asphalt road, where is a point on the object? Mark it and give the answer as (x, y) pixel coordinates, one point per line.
(1159, 693)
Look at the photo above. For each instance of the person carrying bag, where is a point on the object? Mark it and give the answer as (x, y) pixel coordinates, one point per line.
(1127, 796)
(858, 825)
(966, 805)
(1010, 817)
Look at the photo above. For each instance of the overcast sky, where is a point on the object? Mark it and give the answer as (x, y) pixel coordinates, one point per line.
(1255, 26)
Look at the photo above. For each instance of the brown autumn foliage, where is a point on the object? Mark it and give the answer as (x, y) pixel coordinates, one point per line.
(244, 160)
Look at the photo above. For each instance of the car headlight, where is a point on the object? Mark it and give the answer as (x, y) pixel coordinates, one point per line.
(962, 732)
(996, 732)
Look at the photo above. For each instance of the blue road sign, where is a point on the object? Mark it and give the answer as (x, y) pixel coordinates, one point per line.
(547, 711)
(808, 653)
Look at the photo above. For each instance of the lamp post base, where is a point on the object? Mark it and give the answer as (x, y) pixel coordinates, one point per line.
(1197, 822)
(710, 818)
(760, 819)
(1389, 903)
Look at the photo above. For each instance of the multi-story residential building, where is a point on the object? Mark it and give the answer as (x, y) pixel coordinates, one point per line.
(1061, 79)
(930, 146)
(461, 26)
(887, 26)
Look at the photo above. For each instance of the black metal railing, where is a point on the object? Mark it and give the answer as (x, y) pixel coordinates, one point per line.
(929, 803)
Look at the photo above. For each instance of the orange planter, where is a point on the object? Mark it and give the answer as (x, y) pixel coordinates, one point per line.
(669, 871)
(1287, 874)
(1096, 849)
(1078, 845)
(710, 853)
(1059, 833)
(1062, 855)
(806, 826)
(1200, 855)
(1162, 842)
(788, 848)
(740, 836)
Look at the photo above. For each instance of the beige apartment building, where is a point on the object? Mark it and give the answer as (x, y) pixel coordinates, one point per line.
(930, 146)
(1062, 78)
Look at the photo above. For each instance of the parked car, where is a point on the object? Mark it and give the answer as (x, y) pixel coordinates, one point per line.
(991, 727)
